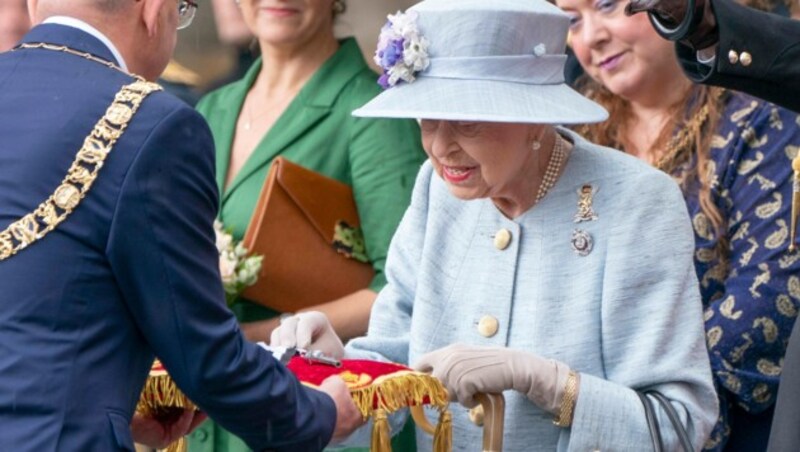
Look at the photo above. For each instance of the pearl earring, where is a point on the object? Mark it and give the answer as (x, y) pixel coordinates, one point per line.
(536, 145)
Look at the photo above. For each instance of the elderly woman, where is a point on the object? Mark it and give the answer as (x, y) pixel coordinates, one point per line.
(732, 155)
(530, 261)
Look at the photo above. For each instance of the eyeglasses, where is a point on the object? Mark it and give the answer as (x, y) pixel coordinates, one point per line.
(186, 11)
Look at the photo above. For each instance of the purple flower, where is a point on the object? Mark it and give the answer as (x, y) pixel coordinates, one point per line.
(401, 51)
(392, 53)
(384, 81)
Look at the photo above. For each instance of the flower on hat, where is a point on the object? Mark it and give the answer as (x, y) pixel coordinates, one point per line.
(402, 51)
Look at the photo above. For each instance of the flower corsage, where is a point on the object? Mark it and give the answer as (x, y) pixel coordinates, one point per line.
(402, 52)
(238, 270)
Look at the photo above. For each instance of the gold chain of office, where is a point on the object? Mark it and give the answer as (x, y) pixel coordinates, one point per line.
(89, 160)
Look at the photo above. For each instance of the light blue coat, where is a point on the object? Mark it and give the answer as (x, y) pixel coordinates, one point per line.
(627, 315)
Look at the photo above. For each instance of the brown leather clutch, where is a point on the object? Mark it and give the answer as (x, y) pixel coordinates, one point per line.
(293, 227)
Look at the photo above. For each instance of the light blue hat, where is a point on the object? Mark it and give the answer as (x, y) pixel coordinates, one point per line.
(478, 60)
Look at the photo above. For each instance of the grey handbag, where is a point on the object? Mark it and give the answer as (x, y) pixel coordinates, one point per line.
(652, 422)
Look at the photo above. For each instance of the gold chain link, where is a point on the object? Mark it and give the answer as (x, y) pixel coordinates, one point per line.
(84, 169)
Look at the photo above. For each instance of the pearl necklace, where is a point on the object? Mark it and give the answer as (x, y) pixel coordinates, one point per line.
(557, 159)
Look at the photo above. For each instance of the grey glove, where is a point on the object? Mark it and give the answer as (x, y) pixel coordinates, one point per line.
(466, 370)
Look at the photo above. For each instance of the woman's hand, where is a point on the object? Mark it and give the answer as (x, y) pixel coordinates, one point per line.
(309, 330)
(466, 370)
(159, 434)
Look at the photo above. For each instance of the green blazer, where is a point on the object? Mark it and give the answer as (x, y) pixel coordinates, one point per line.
(378, 158)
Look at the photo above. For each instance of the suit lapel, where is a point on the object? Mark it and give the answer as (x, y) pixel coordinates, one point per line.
(311, 105)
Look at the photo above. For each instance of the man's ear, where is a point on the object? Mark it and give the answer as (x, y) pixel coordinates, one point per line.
(151, 9)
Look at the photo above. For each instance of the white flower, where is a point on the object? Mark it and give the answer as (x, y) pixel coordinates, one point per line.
(401, 72)
(404, 25)
(540, 49)
(227, 268)
(401, 51)
(415, 54)
(237, 269)
(223, 239)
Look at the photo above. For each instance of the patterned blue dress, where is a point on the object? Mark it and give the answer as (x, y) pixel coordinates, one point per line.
(752, 297)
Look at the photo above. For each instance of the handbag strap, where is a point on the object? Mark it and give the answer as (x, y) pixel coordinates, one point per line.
(652, 422)
(680, 429)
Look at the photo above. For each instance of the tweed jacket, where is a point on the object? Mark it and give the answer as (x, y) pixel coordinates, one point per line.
(625, 315)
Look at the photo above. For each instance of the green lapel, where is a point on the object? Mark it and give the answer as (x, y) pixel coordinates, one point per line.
(311, 105)
(222, 115)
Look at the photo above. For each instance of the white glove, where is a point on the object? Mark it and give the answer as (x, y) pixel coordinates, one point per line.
(466, 370)
(308, 330)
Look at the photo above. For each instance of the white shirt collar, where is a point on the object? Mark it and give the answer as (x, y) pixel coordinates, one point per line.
(81, 25)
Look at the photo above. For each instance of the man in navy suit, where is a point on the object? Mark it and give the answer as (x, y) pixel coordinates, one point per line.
(107, 253)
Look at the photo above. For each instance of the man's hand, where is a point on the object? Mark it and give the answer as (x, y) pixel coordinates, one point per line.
(159, 434)
(348, 418)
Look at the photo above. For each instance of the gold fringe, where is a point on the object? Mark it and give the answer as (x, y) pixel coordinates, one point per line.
(161, 395)
(381, 436)
(398, 391)
(443, 436)
(161, 399)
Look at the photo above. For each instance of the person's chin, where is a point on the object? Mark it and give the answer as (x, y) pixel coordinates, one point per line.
(464, 193)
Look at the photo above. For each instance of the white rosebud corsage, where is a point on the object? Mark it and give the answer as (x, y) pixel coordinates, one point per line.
(237, 269)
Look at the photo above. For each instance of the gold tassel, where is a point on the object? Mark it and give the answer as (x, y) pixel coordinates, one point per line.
(381, 436)
(399, 391)
(795, 204)
(443, 436)
(161, 399)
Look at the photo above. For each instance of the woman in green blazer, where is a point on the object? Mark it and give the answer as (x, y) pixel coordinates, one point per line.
(296, 102)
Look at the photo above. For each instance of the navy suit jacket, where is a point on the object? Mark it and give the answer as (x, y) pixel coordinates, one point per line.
(131, 273)
(772, 40)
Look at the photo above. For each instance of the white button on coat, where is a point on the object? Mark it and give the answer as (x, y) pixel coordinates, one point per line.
(502, 239)
(487, 326)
